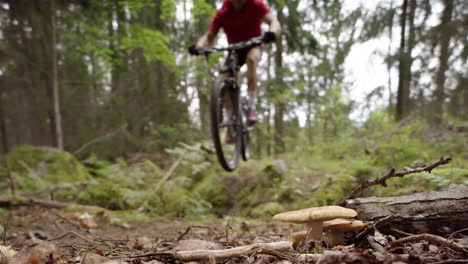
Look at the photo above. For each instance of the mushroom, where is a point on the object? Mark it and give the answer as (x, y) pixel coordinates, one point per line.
(297, 237)
(338, 227)
(314, 217)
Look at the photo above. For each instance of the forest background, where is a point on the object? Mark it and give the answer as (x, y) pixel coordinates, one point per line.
(101, 99)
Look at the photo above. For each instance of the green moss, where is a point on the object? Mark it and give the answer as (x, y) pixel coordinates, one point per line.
(23, 158)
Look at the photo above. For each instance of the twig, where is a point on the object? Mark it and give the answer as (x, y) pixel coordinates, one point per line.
(391, 174)
(431, 238)
(10, 176)
(278, 255)
(73, 233)
(207, 149)
(169, 173)
(195, 226)
(5, 227)
(111, 134)
(206, 255)
(401, 232)
(375, 225)
(449, 238)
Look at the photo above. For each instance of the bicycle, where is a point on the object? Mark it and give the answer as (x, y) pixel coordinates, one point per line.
(225, 89)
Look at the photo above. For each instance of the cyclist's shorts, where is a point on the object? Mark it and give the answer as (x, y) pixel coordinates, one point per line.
(242, 56)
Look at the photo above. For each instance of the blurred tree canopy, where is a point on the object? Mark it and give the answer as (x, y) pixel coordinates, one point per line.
(113, 77)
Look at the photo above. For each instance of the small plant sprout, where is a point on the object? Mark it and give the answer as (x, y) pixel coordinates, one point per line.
(314, 217)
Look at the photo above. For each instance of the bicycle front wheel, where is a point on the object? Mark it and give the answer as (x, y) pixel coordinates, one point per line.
(226, 129)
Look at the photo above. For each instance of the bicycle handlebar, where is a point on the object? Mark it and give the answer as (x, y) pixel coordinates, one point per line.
(242, 45)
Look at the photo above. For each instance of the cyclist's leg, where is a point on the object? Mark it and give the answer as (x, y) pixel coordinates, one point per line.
(253, 57)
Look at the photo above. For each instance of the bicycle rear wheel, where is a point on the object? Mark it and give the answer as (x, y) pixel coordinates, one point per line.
(221, 124)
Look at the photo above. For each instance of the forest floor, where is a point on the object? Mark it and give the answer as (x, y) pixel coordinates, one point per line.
(43, 235)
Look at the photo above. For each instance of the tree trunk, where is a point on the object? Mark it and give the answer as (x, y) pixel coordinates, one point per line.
(3, 134)
(280, 104)
(402, 98)
(443, 59)
(54, 79)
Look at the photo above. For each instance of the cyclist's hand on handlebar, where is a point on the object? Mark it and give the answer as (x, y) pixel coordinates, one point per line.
(194, 50)
(269, 36)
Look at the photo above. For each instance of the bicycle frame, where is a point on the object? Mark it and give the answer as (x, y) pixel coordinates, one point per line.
(225, 87)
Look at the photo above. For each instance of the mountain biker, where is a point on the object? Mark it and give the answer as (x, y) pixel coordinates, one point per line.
(241, 20)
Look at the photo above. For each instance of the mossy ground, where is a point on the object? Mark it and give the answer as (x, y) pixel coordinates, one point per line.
(312, 175)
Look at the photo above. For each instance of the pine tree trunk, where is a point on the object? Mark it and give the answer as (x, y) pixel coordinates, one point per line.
(54, 80)
(443, 59)
(279, 105)
(3, 134)
(402, 99)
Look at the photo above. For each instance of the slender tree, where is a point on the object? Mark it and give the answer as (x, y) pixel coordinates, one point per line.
(444, 55)
(403, 92)
(54, 78)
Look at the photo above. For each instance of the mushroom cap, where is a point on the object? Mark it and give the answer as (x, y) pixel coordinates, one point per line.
(357, 225)
(314, 214)
(343, 225)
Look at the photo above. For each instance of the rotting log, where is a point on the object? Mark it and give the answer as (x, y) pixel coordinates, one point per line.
(425, 212)
(7, 202)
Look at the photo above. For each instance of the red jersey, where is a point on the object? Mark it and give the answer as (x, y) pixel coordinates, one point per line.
(240, 25)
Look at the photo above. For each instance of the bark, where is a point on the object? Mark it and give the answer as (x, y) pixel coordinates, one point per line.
(425, 212)
(443, 59)
(402, 95)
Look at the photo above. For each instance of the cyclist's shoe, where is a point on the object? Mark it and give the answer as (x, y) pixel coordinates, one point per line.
(228, 139)
(251, 117)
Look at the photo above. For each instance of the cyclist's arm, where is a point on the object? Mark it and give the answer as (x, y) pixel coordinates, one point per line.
(206, 40)
(273, 22)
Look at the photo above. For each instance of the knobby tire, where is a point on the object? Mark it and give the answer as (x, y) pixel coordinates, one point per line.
(216, 108)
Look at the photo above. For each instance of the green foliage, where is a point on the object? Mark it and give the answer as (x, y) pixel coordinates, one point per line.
(201, 9)
(168, 9)
(153, 43)
(135, 5)
(268, 209)
(94, 40)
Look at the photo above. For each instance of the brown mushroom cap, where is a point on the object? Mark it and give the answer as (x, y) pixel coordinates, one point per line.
(313, 214)
(357, 225)
(337, 224)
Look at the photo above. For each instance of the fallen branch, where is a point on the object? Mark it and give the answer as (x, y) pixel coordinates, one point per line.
(169, 173)
(111, 134)
(431, 238)
(391, 174)
(206, 255)
(55, 188)
(6, 202)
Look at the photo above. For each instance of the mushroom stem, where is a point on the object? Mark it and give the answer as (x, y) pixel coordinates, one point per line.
(314, 231)
(337, 238)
